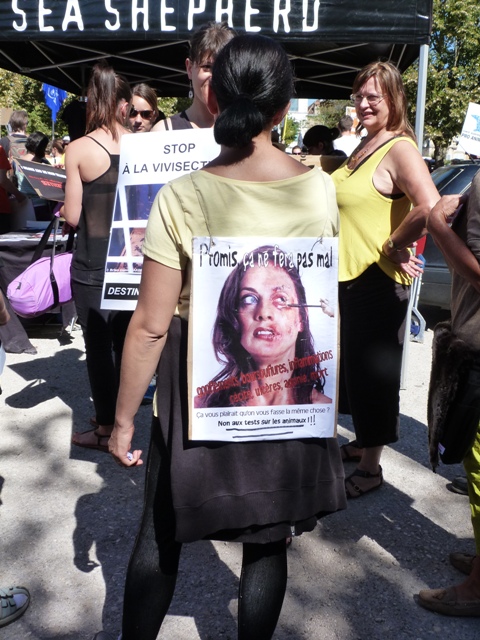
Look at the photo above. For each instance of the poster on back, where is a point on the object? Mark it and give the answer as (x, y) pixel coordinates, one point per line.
(263, 339)
(470, 137)
(147, 162)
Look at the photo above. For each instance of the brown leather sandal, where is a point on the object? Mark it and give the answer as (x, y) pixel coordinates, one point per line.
(353, 490)
(98, 440)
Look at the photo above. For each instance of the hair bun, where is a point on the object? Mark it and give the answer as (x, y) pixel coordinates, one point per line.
(244, 96)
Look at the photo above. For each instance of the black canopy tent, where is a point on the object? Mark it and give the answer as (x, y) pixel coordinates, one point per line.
(58, 41)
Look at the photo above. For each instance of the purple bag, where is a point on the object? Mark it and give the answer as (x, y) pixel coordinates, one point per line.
(45, 284)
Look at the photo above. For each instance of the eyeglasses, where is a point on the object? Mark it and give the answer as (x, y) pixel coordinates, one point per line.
(296, 153)
(372, 98)
(145, 115)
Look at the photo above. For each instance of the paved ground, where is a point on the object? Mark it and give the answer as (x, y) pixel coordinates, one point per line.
(68, 519)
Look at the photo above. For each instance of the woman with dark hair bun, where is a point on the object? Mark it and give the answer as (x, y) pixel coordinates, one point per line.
(36, 146)
(319, 141)
(222, 490)
(91, 163)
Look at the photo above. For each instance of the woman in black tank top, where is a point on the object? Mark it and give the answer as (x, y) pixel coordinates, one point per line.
(92, 173)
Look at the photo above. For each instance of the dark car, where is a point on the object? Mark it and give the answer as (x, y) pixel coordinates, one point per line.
(436, 281)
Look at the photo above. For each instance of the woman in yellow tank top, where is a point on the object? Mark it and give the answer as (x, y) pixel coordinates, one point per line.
(384, 194)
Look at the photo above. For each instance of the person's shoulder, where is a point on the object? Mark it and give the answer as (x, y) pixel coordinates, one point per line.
(319, 176)
(159, 126)
(403, 142)
(180, 189)
(403, 148)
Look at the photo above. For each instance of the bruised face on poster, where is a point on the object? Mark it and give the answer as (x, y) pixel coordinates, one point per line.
(262, 335)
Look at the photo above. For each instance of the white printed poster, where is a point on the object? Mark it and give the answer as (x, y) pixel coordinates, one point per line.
(263, 339)
(470, 137)
(147, 162)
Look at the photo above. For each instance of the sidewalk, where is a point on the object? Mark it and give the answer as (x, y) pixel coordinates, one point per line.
(69, 517)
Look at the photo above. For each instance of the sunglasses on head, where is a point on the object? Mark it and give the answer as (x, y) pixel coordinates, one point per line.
(145, 115)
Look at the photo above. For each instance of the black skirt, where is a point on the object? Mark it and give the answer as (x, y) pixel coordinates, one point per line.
(249, 491)
(373, 310)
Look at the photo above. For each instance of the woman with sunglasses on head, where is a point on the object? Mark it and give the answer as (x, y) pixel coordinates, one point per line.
(254, 493)
(144, 111)
(205, 44)
(384, 193)
(91, 163)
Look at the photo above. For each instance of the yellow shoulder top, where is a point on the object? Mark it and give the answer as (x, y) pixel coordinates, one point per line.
(367, 218)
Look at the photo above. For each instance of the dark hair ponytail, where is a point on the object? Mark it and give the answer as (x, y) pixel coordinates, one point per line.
(105, 91)
(252, 80)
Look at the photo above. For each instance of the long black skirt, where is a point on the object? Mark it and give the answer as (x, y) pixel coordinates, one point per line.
(373, 310)
(249, 491)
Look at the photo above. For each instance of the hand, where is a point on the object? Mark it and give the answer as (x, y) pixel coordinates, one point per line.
(408, 263)
(326, 308)
(447, 208)
(66, 228)
(119, 446)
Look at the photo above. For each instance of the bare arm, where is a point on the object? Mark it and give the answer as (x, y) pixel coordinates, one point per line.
(457, 254)
(72, 207)
(4, 315)
(405, 168)
(146, 336)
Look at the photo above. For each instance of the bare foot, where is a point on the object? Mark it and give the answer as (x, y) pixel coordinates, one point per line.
(351, 452)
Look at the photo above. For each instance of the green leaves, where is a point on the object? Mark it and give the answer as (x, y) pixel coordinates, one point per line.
(20, 92)
(453, 72)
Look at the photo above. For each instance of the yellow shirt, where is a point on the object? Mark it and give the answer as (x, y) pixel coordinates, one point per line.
(301, 206)
(367, 218)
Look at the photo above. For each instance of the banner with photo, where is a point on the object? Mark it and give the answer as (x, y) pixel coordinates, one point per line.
(263, 339)
(147, 162)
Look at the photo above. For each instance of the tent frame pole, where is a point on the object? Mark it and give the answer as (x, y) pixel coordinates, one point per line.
(419, 125)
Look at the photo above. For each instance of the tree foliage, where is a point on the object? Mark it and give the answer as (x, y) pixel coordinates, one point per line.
(327, 112)
(170, 106)
(20, 92)
(453, 71)
(289, 131)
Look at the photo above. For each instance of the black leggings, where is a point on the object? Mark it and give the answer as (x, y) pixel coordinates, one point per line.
(104, 334)
(153, 566)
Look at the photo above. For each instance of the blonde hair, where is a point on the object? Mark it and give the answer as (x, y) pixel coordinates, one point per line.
(391, 86)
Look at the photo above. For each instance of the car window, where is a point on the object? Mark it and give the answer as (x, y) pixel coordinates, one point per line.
(454, 178)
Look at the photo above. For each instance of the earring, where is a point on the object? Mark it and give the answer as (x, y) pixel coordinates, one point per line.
(190, 92)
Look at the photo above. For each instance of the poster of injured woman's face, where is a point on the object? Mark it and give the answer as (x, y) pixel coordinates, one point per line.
(264, 330)
(147, 162)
